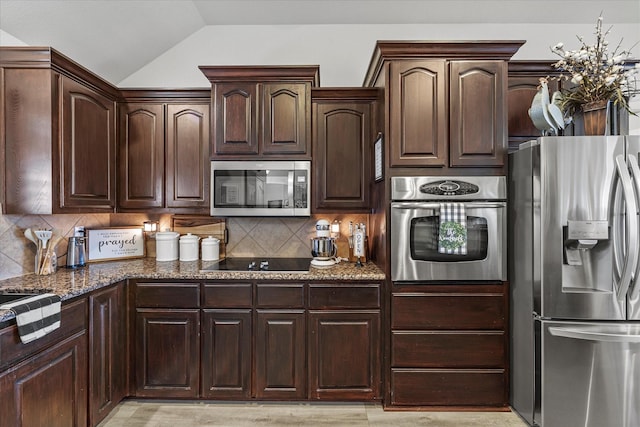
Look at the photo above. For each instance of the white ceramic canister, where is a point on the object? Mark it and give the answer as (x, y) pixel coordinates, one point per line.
(167, 246)
(189, 247)
(210, 249)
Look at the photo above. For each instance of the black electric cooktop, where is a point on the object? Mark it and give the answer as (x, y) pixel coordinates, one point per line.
(274, 265)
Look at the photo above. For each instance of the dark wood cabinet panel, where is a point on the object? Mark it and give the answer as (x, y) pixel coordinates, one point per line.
(108, 351)
(477, 118)
(187, 156)
(167, 353)
(164, 151)
(344, 296)
(452, 349)
(88, 148)
(449, 345)
(289, 295)
(448, 387)
(261, 111)
(141, 155)
(227, 295)
(280, 354)
(226, 354)
(285, 118)
(470, 311)
(235, 123)
(418, 115)
(58, 135)
(335, 338)
(343, 126)
(49, 389)
(167, 295)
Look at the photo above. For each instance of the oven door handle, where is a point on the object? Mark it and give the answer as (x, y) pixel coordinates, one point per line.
(470, 205)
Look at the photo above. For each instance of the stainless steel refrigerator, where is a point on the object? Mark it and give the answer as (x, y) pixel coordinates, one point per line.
(575, 281)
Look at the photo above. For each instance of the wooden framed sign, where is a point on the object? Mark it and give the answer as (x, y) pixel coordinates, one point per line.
(107, 244)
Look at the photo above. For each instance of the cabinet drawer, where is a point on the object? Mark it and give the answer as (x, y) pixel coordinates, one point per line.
(448, 311)
(227, 295)
(73, 319)
(280, 295)
(344, 296)
(432, 349)
(448, 387)
(169, 295)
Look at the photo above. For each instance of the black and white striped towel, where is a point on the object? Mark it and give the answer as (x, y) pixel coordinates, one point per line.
(452, 233)
(36, 316)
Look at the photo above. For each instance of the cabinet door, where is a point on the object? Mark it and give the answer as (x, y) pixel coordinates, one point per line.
(226, 354)
(167, 356)
(47, 390)
(335, 338)
(88, 149)
(108, 350)
(141, 156)
(341, 155)
(280, 354)
(286, 117)
(187, 156)
(477, 113)
(235, 122)
(418, 113)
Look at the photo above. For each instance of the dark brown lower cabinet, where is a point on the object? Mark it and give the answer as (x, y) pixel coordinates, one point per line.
(449, 346)
(280, 354)
(107, 358)
(167, 353)
(344, 355)
(48, 389)
(226, 353)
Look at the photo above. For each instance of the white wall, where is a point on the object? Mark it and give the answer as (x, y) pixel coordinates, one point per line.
(7, 39)
(342, 51)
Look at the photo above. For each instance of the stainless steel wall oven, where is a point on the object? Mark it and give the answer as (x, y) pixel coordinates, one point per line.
(448, 228)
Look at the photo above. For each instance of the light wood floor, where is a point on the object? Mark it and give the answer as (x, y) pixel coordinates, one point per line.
(134, 413)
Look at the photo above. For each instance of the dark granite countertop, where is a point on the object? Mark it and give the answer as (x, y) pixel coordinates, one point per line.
(71, 283)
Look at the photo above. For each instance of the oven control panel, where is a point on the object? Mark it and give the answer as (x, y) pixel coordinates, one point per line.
(449, 188)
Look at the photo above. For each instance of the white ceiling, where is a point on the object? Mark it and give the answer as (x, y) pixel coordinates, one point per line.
(114, 38)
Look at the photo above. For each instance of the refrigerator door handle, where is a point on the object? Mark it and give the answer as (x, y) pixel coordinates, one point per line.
(631, 217)
(635, 171)
(592, 334)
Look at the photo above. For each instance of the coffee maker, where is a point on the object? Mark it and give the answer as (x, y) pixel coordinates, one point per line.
(323, 247)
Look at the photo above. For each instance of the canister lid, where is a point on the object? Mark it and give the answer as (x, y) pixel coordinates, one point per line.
(167, 235)
(189, 238)
(211, 241)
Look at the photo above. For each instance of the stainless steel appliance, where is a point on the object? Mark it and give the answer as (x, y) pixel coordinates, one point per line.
(417, 203)
(260, 188)
(573, 268)
(76, 252)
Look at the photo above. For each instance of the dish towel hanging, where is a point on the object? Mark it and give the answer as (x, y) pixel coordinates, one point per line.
(452, 233)
(36, 316)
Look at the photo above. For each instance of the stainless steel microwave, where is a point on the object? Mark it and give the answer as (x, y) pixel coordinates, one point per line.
(260, 188)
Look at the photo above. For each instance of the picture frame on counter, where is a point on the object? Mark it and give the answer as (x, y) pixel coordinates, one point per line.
(378, 155)
(115, 243)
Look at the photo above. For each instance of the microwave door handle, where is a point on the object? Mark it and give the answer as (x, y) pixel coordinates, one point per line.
(635, 171)
(631, 218)
(290, 189)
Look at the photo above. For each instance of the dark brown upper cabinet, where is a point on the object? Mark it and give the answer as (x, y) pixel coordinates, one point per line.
(344, 129)
(58, 135)
(445, 102)
(163, 147)
(261, 112)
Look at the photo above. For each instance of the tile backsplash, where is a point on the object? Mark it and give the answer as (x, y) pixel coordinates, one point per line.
(248, 236)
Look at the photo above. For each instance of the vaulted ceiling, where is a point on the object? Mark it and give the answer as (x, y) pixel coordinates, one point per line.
(114, 38)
